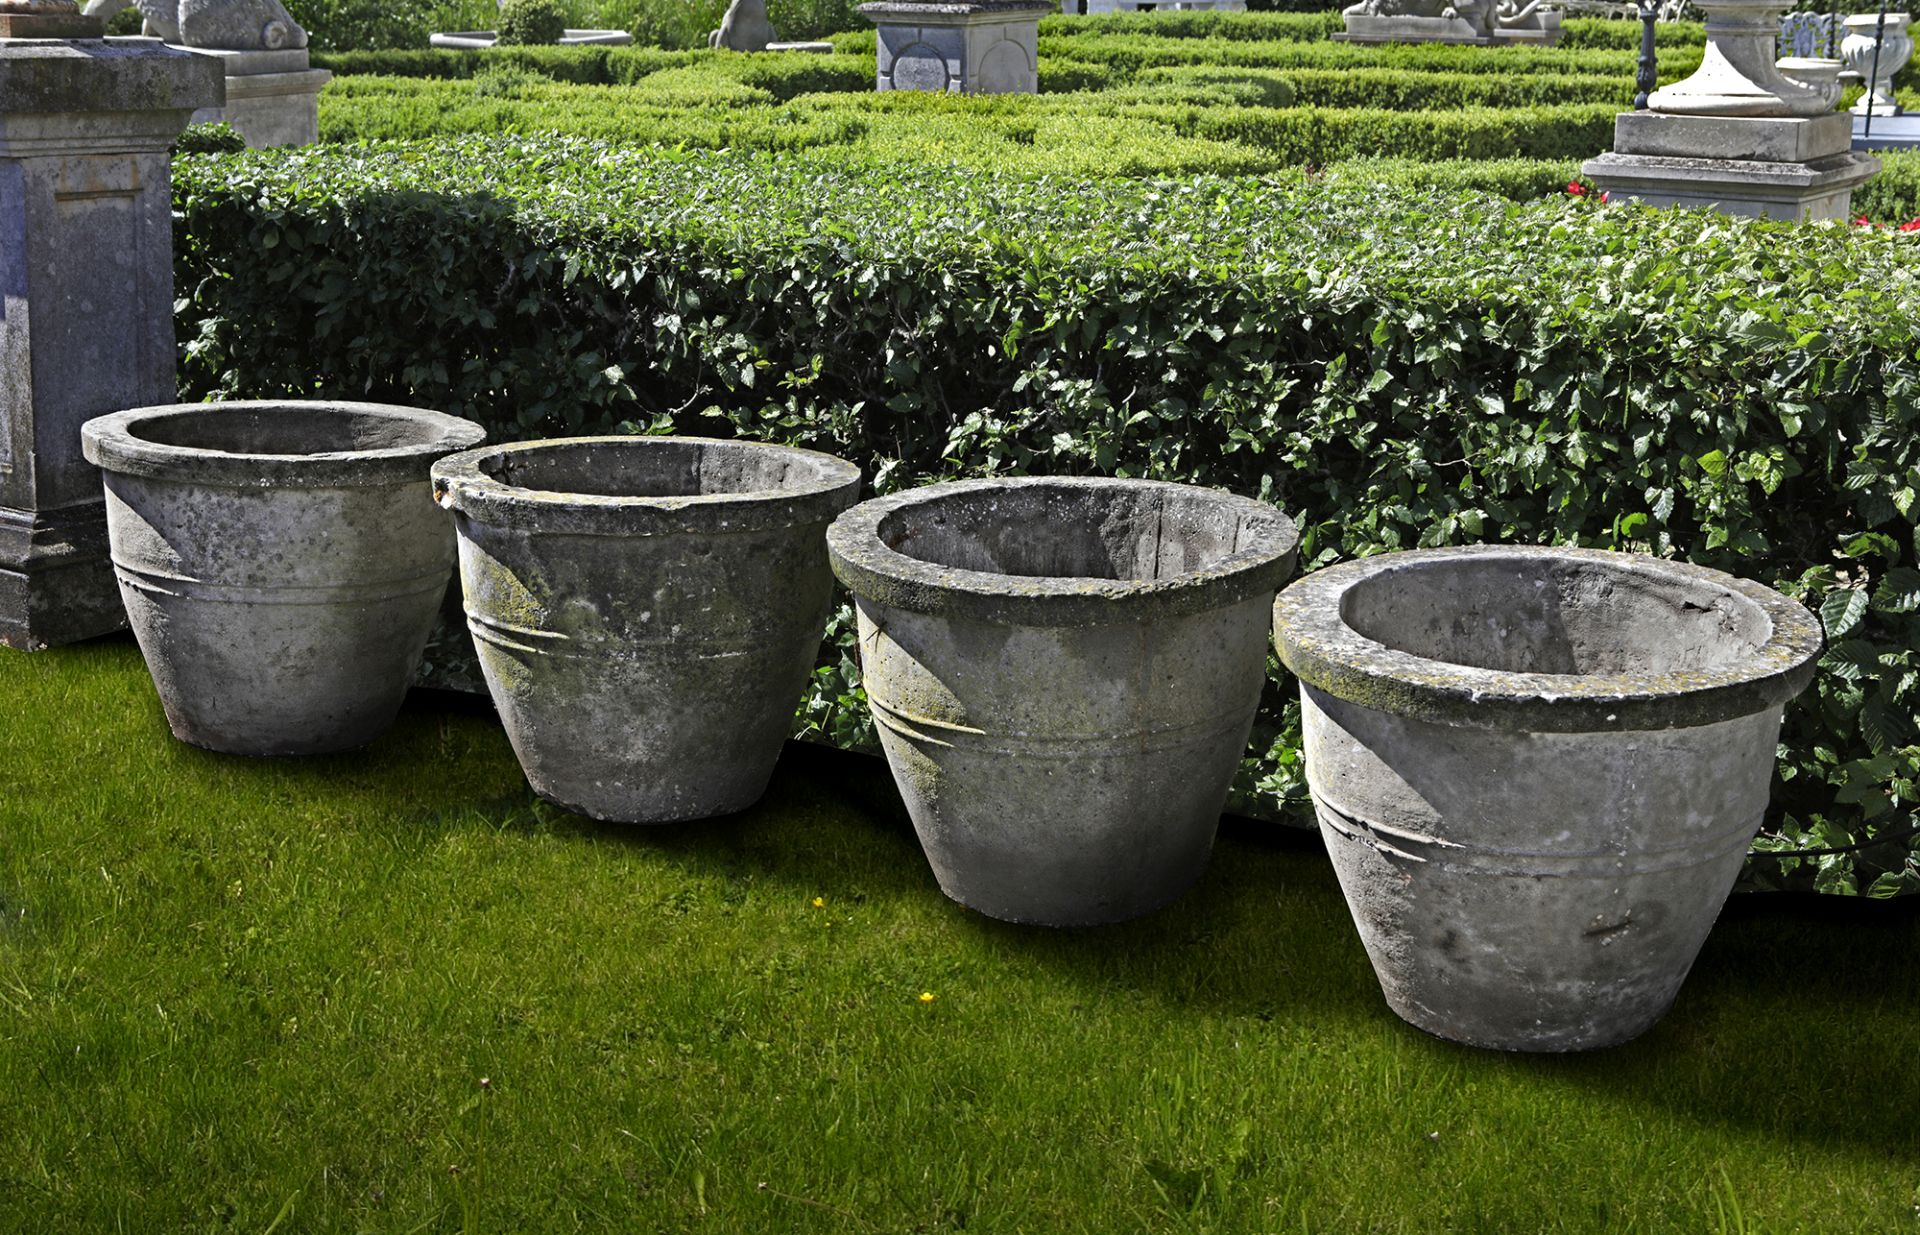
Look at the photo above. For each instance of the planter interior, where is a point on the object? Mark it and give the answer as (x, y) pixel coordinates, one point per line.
(1081, 532)
(1539, 616)
(283, 429)
(654, 467)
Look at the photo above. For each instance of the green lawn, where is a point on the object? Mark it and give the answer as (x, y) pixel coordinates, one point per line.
(391, 992)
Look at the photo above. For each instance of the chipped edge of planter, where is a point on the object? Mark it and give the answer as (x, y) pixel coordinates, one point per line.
(460, 484)
(111, 442)
(1321, 649)
(874, 571)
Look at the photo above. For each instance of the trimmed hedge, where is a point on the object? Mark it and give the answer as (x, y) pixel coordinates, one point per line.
(371, 25)
(1394, 371)
(1174, 127)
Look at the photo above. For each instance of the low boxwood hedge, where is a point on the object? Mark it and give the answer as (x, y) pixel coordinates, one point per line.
(1394, 369)
(1155, 127)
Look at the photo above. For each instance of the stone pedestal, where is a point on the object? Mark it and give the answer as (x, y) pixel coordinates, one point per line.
(273, 97)
(1738, 136)
(1797, 168)
(972, 47)
(86, 302)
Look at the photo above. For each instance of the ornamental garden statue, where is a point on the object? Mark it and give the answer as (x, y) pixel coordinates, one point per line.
(1451, 21)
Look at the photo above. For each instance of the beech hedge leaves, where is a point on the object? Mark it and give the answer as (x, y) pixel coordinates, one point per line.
(1393, 371)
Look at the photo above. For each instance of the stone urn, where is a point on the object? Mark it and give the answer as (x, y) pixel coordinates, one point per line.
(1063, 674)
(281, 562)
(1738, 74)
(1895, 46)
(1815, 73)
(1537, 772)
(646, 610)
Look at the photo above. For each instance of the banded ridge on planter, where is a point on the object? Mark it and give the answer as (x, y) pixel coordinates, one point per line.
(1537, 771)
(281, 562)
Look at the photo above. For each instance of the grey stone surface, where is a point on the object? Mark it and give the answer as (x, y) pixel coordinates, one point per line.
(480, 40)
(1090, 7)
(273, 98)
(744, 27)
(1816, 74)
(232, 25)
(1451, 21)
(281, 563)
(1537, 772)
(86, 303)
(1799, 192)
(647, 610)
(1063, 674)
(983, 47)
(1781, 139)
(1411, 28)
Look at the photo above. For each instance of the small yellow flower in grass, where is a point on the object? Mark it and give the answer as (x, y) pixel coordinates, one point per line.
(926, 996)
(819, 902)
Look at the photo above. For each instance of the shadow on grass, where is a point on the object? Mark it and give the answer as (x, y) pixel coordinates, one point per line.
(1798, 1021)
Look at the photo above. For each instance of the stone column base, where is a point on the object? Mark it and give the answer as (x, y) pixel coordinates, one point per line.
(1798, 192)
(273, 97)
(56, 584)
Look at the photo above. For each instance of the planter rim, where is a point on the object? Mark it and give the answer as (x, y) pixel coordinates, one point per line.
(874, 571)
(111, 441)
(461, 485)
(1323, 651)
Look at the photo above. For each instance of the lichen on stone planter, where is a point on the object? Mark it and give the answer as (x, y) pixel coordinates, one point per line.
(647, 610)
(1537, 772)
(281, 562)
(1063, 674)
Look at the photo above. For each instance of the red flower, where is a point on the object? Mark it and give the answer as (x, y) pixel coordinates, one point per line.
(1576, 189)
(1604, 197)
(1863, 221)
(1911, 225)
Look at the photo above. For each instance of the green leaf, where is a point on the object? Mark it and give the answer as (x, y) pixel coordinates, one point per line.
(1841, 611)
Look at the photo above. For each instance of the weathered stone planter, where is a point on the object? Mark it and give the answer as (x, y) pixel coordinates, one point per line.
(646, 610)
(1537, 772)
(281, 563)
(1063, 674)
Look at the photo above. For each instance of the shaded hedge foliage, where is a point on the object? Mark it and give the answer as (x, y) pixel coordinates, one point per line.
(1393, 373)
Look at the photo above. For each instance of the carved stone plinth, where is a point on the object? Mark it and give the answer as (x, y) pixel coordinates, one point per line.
(1795, 168)
(971, 47)
(86, 302)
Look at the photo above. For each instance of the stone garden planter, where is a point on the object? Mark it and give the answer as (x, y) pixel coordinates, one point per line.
(646, 610)
(1063, 674)
(1537, 772)
(281, 563)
